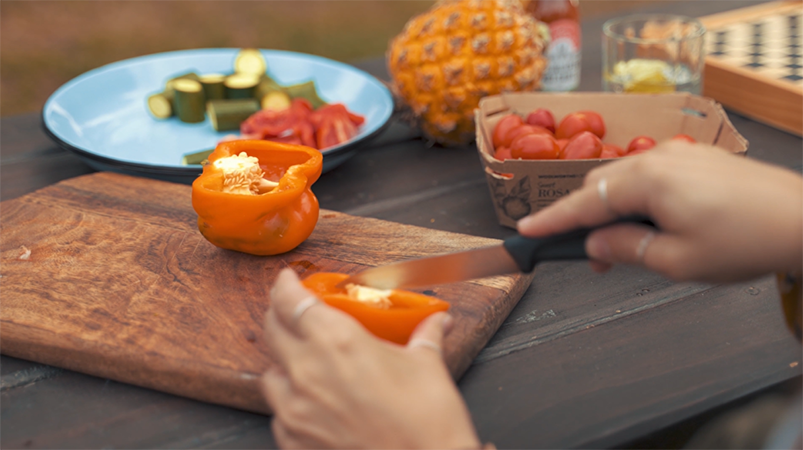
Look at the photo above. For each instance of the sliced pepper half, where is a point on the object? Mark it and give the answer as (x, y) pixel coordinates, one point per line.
(391, 315)
(254, 196)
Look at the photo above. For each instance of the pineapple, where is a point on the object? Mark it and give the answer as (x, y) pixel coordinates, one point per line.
(447, 59)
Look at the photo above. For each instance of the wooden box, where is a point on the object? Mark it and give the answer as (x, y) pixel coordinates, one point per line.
(753, 64)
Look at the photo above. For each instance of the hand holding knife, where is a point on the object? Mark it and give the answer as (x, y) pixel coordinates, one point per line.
(515, 254)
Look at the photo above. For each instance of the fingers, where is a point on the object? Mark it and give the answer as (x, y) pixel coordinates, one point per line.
(275, 387)
(619, 244)
(635, 244)
(282, 343)
(290, 301)
(605, 195)
(284, 439)
(428, 335)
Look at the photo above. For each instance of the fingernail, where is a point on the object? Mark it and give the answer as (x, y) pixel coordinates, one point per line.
(598, 250)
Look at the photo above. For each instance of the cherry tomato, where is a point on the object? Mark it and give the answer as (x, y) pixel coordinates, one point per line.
(535, 146)
(585, 145)
(503, 153)
(684, 137)
(640, 143)
(506, 124)
(578, 122)
(520, 131)
(596, 122)
(542, 118)
(612, 151)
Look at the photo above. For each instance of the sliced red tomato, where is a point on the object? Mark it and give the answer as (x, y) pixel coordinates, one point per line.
(271, 123)
(334, 130)
(336, 109)
(334, 124)
(289, 139)
(325, 127)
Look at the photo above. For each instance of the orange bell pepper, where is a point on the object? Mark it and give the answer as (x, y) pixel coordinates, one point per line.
(262, 207)
(394, 322)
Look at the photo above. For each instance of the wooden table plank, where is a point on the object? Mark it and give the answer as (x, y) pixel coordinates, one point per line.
(724, 345)
(80, 411)
(566, 387)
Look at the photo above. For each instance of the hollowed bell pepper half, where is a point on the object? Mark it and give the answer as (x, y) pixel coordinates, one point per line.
(254, 196)
(390, 315)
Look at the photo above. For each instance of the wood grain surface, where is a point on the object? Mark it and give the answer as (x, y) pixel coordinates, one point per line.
(120, 284)
(582, 361)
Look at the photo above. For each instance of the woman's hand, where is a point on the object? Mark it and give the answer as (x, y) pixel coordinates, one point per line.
(335, 385)
(721, 217)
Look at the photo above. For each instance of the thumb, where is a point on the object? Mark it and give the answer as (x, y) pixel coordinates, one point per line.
(429, 333)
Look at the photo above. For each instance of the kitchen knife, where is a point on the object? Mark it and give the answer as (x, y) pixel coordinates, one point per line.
(515, 254)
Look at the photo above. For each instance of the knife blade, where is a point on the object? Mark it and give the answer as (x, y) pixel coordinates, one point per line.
(515, 254)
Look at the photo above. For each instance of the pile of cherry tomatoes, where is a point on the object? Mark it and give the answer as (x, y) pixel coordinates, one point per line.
(578, 136)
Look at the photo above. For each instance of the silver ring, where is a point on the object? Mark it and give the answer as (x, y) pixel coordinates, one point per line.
(303, 306)
(602, 190)
(643, 244)
(421, 342)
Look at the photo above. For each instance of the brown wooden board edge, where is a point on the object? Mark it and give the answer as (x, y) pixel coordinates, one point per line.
(225, 387)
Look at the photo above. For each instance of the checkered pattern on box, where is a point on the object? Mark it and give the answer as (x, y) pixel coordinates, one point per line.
(770, 45)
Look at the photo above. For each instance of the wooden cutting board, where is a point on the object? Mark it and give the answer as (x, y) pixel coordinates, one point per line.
(120, 284)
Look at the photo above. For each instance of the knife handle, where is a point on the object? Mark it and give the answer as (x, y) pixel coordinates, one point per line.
(527, 252)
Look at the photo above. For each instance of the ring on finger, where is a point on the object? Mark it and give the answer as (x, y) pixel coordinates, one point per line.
(602, 191)
(643, 244)
(303, 306)
(421, 342)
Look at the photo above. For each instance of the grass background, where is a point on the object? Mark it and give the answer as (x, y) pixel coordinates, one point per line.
(44, 44)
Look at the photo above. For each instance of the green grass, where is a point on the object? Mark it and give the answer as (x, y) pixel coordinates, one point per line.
(44, 44)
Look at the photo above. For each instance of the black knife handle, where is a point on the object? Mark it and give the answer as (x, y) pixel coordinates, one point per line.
(527, 252)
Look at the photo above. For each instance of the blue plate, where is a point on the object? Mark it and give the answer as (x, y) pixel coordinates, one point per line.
(102, 115)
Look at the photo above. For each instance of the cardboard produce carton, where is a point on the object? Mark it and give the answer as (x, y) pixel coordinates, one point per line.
(522, 187)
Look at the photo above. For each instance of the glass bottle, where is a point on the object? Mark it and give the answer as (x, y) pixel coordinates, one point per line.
(563, 52)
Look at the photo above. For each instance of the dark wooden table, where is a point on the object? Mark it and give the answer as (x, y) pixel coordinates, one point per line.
(584, 360)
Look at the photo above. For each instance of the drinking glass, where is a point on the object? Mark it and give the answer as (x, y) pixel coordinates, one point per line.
(653, 53)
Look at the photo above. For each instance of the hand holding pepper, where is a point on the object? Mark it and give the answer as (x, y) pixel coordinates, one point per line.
(337, 386)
